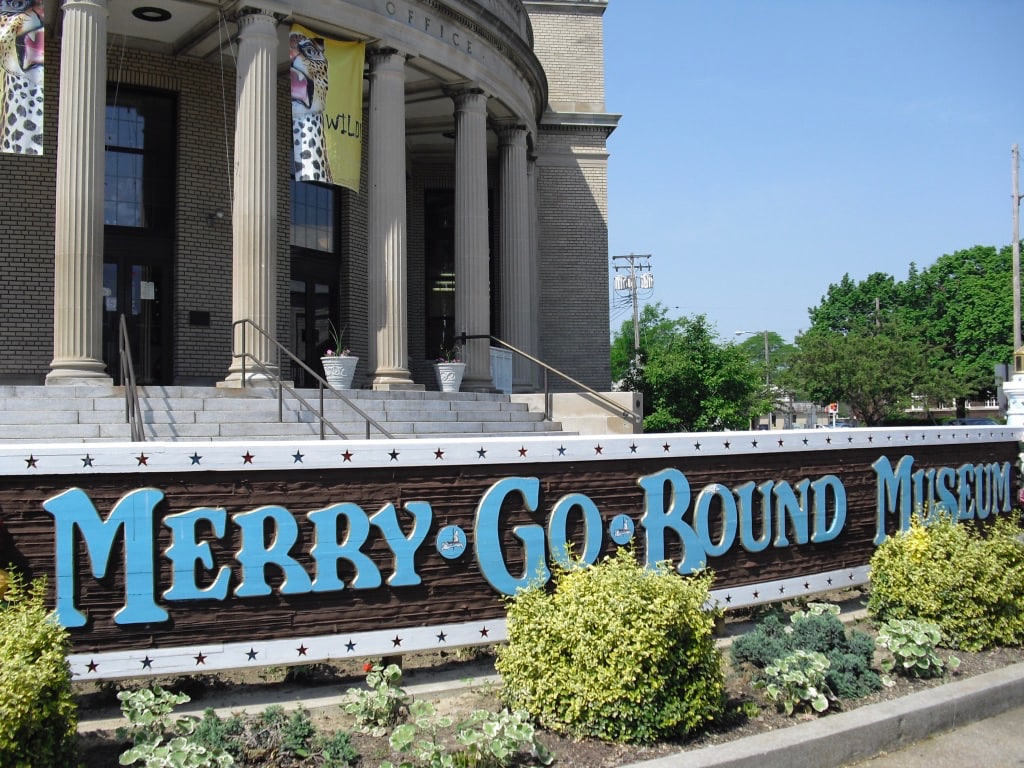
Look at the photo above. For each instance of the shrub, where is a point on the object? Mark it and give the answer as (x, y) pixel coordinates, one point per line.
(614, 651)
(971, 585)
(383, 705)
(912, 645)
(818, 630)
(797, 680)
(160, 739)
(38, 717)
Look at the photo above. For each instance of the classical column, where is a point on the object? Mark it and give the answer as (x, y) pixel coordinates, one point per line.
(386, 248)
(518, 304)
(537, 377)
(254, 209)
(472, 279)
(78, 233)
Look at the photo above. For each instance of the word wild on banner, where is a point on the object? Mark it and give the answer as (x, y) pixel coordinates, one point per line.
(160, 556)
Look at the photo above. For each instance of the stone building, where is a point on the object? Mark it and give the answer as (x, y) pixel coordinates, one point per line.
(164, 193)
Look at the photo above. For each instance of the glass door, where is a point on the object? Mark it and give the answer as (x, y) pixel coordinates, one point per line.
(313, 306)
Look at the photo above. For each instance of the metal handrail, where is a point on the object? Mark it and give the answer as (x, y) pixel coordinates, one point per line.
(132, 410)
(274, 378)
(608, 403)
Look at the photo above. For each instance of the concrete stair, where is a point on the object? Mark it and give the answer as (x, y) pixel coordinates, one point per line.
(90, 413)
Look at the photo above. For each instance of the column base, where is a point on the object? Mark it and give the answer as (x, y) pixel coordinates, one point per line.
(396, 386)
(86, 372)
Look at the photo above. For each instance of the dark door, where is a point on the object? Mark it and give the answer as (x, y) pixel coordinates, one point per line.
(314, 303)
(139, 289)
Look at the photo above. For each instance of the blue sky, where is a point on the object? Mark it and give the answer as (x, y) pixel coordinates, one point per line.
(768, 148)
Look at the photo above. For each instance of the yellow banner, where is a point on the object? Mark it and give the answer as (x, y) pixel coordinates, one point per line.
(327, 108)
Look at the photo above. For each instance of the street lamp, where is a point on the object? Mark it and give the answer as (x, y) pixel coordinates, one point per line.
(767, 372)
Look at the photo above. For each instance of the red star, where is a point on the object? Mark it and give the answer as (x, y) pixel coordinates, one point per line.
(598, 449)
(438, 454)
(143, 460)
(522, 451)
(484, 632)
(92, 666)
(247, 459)
(200, 659)
(347, 455)
(31, 462)
(302, 650)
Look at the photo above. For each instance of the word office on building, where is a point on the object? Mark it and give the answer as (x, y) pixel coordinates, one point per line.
(155, 168)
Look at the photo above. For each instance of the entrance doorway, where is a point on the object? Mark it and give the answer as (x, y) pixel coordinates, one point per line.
(140, 291)
(314, 302)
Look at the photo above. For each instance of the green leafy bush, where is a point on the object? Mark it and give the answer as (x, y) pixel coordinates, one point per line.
(614, 651)
(158, 737)
(383, 705)
(969, 583)
(797, 681)
(912, 645)
(819, 630)
(38, 716)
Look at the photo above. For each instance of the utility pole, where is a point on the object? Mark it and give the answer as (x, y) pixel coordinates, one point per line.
(1015, 197)
(638, 276)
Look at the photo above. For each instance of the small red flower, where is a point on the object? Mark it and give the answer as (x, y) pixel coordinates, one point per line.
(367, 667)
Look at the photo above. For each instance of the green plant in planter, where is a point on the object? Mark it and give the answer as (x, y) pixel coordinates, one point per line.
(912, 645)
(383, 705)
(797, 681)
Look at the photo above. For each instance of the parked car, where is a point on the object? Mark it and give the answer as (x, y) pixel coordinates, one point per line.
(974, 422)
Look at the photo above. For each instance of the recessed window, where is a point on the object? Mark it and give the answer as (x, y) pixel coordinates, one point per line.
(312, 217)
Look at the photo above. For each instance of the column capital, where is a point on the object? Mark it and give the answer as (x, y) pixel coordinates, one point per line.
(251, 15)
(468, 98)
(510, 132)
(385, 59)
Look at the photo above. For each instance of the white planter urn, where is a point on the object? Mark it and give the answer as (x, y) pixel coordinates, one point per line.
(339, 370)
(449, 376)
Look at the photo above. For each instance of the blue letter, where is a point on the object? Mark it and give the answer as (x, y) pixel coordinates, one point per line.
(702, 521)
(557, 524)
(660, 516)
(786, 505)
(893, 488)
(823, 531)
(135, 512)
(255, 555)
(487, 538)
(403, 548)
(327, 550)
(185, 551)
(745, 493)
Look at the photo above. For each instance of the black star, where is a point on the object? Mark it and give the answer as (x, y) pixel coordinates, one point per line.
(756, 593)
(828, 440)
(296, 458)
(782, 590)
(302, 650)
(871, 438)
(484, 632)
(830, 581)
(522, 451)
(561, 450)
(697, 445)
(143, 460)
(481, 453)
(30, 462)
(247, 458)
(196, 458)
(92, 666)
(200, 659)
(347, 455)
(350, 646)
(598, 449)
(439, 454)
(851, 577)
(728, 598)
(396, 641)
(805, 441)
(666, 446)
(632, 448)
(807, 585)
(393, 455)
(147, 663)
(780, 442)
(87, 461)
(754, 443)
(442, 637)
(889, 438)
(907, 436)
(849, 439)
(251, 655)
(727, 445)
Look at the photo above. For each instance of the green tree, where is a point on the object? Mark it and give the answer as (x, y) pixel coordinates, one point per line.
(689, 380)
(952, 319)
(875, 374)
